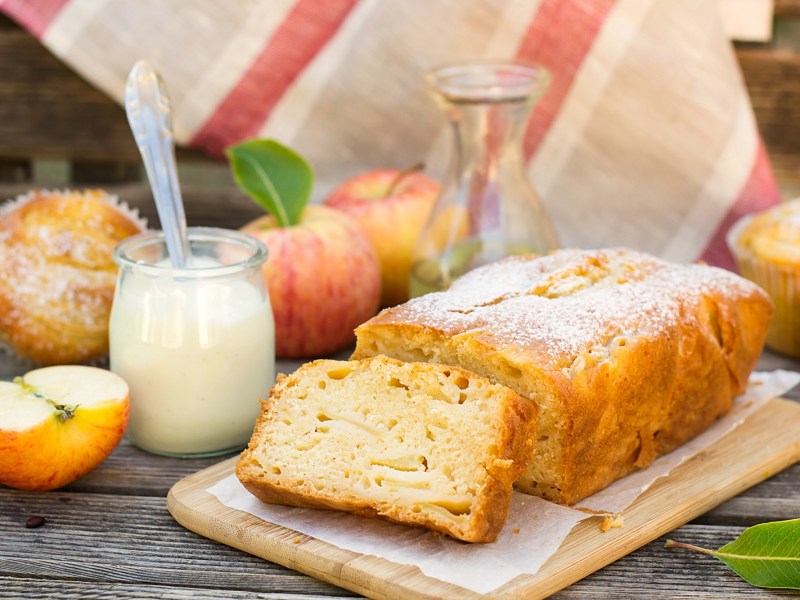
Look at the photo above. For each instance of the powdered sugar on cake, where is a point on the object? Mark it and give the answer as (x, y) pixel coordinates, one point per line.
(568, 303)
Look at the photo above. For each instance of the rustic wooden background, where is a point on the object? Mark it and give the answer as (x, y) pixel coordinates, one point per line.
(58, 131)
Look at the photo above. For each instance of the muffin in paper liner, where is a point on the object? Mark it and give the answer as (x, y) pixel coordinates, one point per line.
(57, 275)
(766, 247)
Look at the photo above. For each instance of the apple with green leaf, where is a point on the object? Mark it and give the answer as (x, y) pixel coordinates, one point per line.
(391, 207)
(58, 423)
(322, 273)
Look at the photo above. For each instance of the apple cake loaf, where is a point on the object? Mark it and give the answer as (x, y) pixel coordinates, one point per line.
(626, 356)
(421, 444)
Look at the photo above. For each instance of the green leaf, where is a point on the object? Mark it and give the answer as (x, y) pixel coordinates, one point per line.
(274, 176)
(766, 555)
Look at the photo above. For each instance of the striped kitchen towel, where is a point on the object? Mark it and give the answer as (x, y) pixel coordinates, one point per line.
(645, 137)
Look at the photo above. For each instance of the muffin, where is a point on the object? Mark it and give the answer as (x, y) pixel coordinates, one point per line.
(767, 250)
(57, 275)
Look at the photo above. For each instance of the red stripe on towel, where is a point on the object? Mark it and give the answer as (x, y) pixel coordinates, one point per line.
(33, 16)
(759, 193)
(559, 38)
(304, 32)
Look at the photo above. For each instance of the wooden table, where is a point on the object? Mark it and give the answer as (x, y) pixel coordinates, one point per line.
(109, 535)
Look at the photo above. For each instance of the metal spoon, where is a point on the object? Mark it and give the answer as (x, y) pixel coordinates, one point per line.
(148, 107)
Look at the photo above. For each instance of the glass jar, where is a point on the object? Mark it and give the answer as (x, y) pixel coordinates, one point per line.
(487, 208)
(196, 345)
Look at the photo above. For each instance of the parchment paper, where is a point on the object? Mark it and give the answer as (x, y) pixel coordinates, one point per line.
(533, 532)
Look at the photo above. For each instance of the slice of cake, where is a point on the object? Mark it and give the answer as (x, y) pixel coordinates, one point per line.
(421, 444)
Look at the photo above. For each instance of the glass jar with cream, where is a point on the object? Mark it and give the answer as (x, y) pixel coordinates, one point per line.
(196, 345)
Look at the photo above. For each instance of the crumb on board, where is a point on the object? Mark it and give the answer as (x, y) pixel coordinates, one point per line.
(612, 522)
(516, 531)
(297, 540)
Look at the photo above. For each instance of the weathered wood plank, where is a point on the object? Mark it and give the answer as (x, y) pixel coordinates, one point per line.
(745, 510)
(127, 539)
(655, 572)
(74, 590)
(130, 471)
(133, 540)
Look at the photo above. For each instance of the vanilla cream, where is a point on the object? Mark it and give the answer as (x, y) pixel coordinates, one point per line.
(197, 350)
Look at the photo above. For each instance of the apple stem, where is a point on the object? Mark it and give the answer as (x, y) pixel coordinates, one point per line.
(401, 176)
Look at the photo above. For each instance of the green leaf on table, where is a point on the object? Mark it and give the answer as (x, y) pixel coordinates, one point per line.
(766, 555)
(274, 176)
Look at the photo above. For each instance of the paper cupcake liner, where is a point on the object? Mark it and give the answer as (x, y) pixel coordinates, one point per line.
(106, 198)
(781, 282)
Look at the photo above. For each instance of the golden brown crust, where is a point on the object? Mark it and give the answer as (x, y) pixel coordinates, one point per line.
(58, 275)
(626, 355)
(494, 448)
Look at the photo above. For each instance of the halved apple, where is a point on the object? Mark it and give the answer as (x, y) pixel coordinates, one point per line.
(59, 423)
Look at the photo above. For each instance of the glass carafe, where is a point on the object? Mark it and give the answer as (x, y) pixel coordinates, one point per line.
(487, 208)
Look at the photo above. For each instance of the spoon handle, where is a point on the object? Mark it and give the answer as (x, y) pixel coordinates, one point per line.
(147, 105)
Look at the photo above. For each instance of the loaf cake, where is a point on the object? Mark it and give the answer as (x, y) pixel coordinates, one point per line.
(625, 355)
(57, 275)
(421, 444)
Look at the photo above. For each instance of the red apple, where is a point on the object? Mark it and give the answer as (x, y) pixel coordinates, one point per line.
(391, 207)
(323, 279)
(59, 423)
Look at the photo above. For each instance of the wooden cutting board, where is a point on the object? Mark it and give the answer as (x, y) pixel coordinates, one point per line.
(766, 443)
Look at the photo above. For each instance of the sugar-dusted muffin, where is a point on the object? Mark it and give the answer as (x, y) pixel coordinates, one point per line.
(417, 443)
(627, 356)
(57, 275)
(767, 250)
